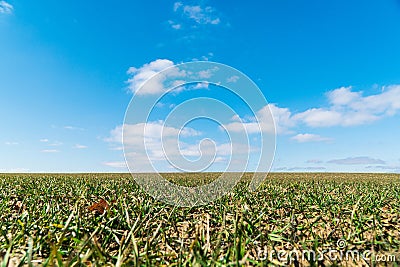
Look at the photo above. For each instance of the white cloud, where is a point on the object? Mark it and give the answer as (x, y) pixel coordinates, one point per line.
(249, 127)
(198, 14)
(280, 116)
(78, 146)
(142, 74)
(343, 96)
(220, 159)
(318, 117)
(346, 108)
(177, 83)
(236, 118)
(305, 138)
(155, 135)
(202, 85)
(148, 80)
(116, 164)
(357, 161)
(140, 77)
(117, 148)
(50, 151)
(6, 8)
(44, 140)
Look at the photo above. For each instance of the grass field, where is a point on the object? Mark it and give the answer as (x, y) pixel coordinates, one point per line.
(49, 219)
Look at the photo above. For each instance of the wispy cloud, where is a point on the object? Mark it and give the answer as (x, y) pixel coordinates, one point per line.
(55, 143)
(205, 74)
(177, 5)
(49, 151)
(116, 164)
(201, 15)
(44, 140)
(78, 146)
(73, 128)
(314, 161)
(305, 138)
(11, 143)
(232, 79)
(6, 8)
(357, 161)
(175, 25)
(193, 16)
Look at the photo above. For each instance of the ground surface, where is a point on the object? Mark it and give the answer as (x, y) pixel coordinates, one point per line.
(53, 219)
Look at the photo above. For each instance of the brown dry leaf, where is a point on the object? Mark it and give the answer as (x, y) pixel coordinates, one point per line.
(100, 207)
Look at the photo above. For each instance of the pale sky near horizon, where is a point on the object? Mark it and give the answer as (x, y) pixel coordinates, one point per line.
(330, 71)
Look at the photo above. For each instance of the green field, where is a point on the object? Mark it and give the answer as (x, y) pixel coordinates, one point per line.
(45, 220)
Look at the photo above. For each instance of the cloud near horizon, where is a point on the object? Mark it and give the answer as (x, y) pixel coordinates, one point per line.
(357, 161)
(157, 142)
(116, 164)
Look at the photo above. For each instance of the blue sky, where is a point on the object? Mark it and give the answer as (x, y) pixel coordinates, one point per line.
(329, 69)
